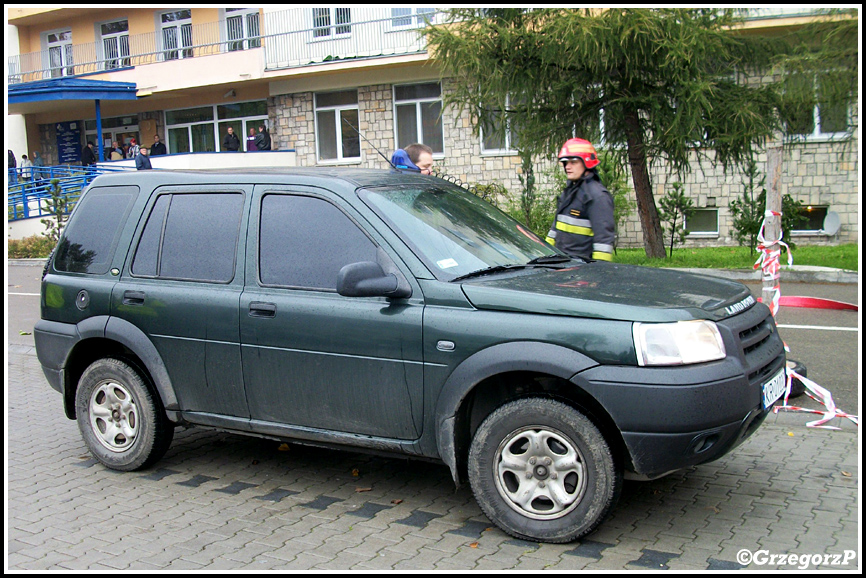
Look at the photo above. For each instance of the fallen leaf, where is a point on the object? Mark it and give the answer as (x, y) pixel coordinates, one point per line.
(356, 473)
(396, 501)
(473, 545)
(255, 462)
(359, 490)
(846, 474)
(790, 433)
(24, 333)
(283, 448)
(714, 509)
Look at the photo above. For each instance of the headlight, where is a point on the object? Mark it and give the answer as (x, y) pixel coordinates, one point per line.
(677, 343)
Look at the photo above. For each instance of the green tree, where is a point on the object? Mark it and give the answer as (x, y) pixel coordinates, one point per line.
(676, 208)
(748, 210)
(58, 207)
(668, 83)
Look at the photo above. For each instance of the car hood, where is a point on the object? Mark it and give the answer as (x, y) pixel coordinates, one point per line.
(611, 291)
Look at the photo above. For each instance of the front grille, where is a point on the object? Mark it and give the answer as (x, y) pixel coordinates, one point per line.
(758, 342)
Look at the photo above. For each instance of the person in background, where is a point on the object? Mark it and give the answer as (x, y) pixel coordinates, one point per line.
(251, 141)
(263, 139)
(141, 161)
(37, 165)
(231, 142)
(12, 168)
(158, 147)
(422, 156)
(26, 168)
(133, 149)
(116, 153)
(584, 222)
(88, 157)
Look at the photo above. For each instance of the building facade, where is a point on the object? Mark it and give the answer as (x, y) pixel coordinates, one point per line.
(342, 86)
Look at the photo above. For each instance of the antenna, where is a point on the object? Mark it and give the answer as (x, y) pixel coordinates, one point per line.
(371, 144)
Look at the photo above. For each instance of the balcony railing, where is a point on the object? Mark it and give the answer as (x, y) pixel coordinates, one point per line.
(290, 38)
(293, 42)
(139, 49)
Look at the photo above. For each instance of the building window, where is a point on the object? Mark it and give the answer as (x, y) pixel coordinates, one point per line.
(337, 125)
(411, 17)
(329, 22)
(493, 139)
(814, 223)
(242, 28)
(176, 33)
(703, 222)
(60, 53)
(115, 44)
(824, 120)
(202, 129)
(418, 114)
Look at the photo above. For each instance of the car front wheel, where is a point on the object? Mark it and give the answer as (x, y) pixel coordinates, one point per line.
(122, 424)
(541, 470)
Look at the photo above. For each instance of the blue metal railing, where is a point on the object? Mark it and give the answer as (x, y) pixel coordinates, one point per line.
(27, 195)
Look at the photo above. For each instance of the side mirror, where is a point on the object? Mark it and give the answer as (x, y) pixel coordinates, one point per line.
(367, 279)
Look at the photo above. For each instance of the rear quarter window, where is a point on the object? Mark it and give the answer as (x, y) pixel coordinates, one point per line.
(91, 236)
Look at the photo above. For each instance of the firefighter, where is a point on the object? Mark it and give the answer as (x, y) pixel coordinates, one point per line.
(584, 224)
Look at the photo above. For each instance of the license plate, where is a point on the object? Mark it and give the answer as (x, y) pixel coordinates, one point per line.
(774, 389)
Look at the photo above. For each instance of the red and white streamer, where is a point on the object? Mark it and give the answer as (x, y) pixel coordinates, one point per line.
(768, 261)
(771, 269)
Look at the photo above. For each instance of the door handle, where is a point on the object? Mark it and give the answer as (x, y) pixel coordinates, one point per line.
(133, 297)
(260, 309)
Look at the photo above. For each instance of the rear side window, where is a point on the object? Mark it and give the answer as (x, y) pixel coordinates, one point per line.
(305, 241)
(91, 236)
(191, 237)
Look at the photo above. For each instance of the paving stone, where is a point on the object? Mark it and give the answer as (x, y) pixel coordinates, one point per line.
(654, 559)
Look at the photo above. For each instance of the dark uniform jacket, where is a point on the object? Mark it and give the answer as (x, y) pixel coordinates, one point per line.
(584, 225)
(157, 149)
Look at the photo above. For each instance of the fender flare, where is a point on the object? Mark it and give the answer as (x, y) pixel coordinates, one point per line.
(531, 356)
(134, 338)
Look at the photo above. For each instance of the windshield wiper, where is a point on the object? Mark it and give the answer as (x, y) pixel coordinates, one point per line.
(543, 261)
(487, 271)
(549, 260)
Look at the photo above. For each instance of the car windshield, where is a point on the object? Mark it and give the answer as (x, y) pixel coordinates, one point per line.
(453, 231)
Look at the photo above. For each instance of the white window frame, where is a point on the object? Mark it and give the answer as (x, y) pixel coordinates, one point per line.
(248, 39)
(704, 234)
(419, 124)
(817, 134)
(339, 127)
(415, 17)
(183, 50)
(508, 149)
(121, 60)
(332, 30)
(67, 62)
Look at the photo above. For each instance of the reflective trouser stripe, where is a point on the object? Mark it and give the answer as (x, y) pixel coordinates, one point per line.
(602, 248)
(602, 256)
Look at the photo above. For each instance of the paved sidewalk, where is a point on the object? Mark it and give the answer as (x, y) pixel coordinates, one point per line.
(218, 501)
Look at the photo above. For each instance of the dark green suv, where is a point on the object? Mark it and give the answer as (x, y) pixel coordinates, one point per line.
(394, 312)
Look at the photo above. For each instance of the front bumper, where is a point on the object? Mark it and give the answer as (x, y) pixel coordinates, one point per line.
(673, 418)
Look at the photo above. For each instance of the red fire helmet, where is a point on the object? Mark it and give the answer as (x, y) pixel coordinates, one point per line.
(575, 148)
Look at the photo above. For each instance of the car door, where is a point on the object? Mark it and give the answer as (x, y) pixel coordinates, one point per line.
(312, 357)
(181, 287)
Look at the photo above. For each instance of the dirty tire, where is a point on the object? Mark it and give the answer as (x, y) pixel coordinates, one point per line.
(121, 421)
(542, 471)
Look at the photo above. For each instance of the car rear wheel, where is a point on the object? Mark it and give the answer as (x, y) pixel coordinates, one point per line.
(541, 470)
(121, 421)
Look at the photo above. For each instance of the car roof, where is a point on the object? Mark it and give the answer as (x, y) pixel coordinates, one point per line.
(270, 175)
